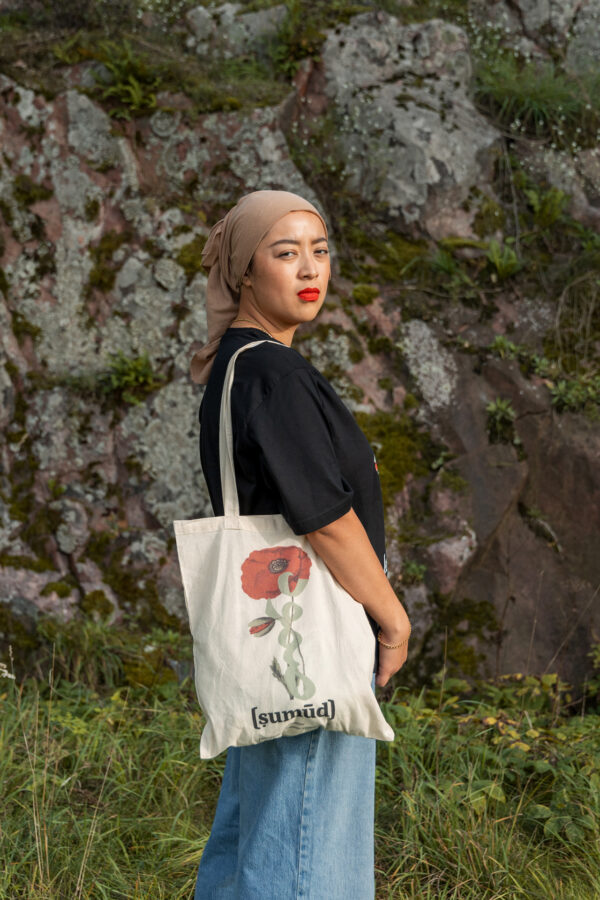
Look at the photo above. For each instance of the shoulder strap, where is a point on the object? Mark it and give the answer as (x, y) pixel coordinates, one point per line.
(231, 505)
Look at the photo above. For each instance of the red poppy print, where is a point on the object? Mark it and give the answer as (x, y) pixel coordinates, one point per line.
(263, 568)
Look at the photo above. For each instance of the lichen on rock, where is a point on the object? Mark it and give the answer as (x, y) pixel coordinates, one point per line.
(432, 367)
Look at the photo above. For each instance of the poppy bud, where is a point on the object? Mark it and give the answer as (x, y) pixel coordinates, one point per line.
(261, 626)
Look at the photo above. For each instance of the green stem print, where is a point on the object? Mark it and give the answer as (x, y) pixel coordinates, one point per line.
(270, 573)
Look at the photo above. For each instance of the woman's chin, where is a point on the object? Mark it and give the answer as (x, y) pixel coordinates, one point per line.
(309, 309)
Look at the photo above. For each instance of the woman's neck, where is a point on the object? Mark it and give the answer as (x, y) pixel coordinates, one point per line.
(249, 317)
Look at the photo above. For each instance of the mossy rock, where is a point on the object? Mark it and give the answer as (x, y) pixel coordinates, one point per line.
(104, 271)
(92, 208)
(149, 670)
(97, 605)
(62, 588)
(189, 257)
(399, 447)
(22, 327)
(20, 561)
(363, 294)
(489, 218)
(449, 478)
(26, 192)
(135, 587)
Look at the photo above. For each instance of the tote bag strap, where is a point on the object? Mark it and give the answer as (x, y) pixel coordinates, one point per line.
(231, 505)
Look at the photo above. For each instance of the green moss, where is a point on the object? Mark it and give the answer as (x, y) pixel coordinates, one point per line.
(55, 489)
(151, 247)
(383, 259)
(363, 294)
(400, 449)
(26, 192)
(7, 213)
(135, 587)
(63, 588)
(103, 273)
(46, 263)
(410, 401)
(189, 256)
(19, 561)
(450, 479)
(97, 605)
(42, 524)
(386, 384)
(481, 624)
(489, 218)
(92, 208)
(149, 670)
(22, 327)
(15, 631)
(4, 285)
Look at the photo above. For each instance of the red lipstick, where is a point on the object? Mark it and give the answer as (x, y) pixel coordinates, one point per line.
(309, 294)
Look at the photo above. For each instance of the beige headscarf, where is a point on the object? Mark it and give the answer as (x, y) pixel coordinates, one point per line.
(227, 254)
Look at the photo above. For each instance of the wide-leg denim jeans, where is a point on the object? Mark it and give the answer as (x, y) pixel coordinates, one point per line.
(294, 820)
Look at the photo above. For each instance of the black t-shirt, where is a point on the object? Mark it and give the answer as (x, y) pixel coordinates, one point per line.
(298, 450)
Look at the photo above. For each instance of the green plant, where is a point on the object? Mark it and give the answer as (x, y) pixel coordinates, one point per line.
(413, 572)
(503, 259)
(500, 421)
(451, 275)
(134, 83)
(503, 348)
(548, 206)
(130, 379)
(576, 394)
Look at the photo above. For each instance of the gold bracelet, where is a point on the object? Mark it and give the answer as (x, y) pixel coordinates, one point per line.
(391, 646)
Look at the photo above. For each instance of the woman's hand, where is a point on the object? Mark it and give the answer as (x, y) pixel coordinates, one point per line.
(390, 662)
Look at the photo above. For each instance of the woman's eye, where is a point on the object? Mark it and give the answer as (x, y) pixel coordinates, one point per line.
(286, 253)
(324, 251)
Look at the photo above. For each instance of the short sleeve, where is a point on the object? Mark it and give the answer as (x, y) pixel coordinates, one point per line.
(293, 439)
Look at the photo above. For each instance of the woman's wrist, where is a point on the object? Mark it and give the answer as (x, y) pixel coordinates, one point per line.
(394, 637)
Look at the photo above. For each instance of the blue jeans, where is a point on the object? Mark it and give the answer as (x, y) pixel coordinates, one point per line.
(294, 819)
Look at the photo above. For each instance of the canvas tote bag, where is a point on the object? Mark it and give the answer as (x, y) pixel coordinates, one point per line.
(279, 646)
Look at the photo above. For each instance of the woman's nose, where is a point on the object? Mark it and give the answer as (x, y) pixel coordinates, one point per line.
(308, 268)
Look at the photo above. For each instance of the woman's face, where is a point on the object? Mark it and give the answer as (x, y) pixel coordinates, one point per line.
(290, 271)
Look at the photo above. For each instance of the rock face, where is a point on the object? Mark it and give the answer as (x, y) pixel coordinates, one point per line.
(227, 31)
(412, 142)
(96, 268)
(102, 305)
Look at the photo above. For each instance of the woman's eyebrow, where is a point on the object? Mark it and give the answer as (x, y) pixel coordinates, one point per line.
(293, 241)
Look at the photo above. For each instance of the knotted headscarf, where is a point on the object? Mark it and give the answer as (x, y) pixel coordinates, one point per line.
(227, 254)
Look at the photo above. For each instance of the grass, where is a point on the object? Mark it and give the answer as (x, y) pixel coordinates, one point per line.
(540, 100)
(488, 792)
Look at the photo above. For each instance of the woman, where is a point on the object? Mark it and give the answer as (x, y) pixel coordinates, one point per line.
(295, 814)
